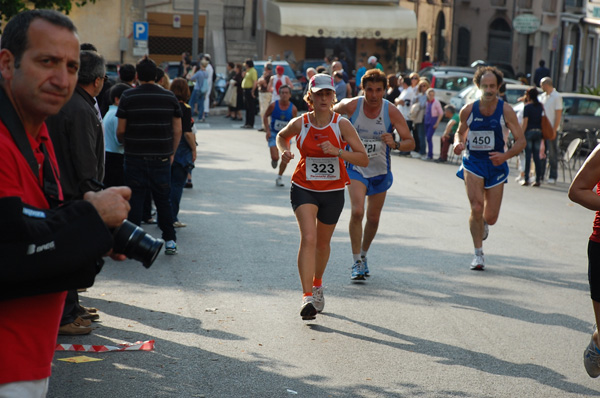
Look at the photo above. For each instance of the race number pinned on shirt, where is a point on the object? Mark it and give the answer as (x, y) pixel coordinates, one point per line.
(280, 124)
(481, 140)
(322, 169)
(373, 147)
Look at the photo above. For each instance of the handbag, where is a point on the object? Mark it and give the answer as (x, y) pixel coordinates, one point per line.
(230, 97)
(416, 113)
(548, 131)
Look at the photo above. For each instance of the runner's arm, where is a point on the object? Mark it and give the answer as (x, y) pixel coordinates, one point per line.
(463, 128)
(581, 190)
(292, 129)
(346, 106)
(358, 155)
(266, 119)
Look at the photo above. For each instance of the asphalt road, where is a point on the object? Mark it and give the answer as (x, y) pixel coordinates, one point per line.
(224, 311)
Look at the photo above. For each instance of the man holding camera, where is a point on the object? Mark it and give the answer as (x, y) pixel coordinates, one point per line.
(39, 59)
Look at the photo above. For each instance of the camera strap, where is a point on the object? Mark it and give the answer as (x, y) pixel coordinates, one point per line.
(11, 120)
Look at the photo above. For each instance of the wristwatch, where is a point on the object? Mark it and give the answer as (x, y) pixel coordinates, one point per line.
(397, 146)
(340, 152)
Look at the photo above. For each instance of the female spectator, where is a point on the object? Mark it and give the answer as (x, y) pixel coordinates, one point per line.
(582, 192)
(433, 116)
(240, 93)
(419, 115)
(185, 156)
(317, 193)
(230, 75)
(162, 79)
(532, 126)
(393, 90)
(200, 79)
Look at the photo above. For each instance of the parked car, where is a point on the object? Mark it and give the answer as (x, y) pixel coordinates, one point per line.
(448, 80)
(514, 90)
(580, 112)
(297, 89)
(507, 70)
(112, 71)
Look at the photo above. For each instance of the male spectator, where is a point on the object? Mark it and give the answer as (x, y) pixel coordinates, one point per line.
(78, 138)
(448, 137)
(374, 63)
(374, 118)
(404, 102)
(29, 324)
(360, 72)
(150, 127)
(248, 86)
(127, 74)
(328, 60)
(426, 62)
(113, 164)
(484, 168)
(264, 95)
(280, 79)
(540, 73)
(210, 71)
(310, 72)
(553, 107)
(337, 66)
(339, 85)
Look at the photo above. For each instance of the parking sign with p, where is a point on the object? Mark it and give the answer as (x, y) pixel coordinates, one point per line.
(140, 30)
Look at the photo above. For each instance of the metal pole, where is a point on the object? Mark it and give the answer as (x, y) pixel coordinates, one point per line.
(195, 31)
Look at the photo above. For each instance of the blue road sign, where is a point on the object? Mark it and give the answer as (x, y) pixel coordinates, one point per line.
(140, 30)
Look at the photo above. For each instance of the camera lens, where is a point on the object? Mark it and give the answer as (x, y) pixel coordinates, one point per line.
(136, 244)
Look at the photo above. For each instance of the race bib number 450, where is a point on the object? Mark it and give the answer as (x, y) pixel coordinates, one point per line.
(481, 140)
(322, 169)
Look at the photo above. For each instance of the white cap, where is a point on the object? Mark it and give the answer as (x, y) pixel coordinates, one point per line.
(372, 60)
(321, 81)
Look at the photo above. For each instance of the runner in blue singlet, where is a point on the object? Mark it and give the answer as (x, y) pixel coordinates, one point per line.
(484, 167)
(281, 112)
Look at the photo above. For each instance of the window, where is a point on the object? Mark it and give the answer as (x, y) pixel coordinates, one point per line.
(588, 107)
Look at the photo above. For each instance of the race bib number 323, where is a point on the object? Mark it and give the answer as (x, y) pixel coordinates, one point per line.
(322, 169)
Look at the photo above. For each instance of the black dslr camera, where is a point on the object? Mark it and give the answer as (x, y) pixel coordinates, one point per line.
(136, 244)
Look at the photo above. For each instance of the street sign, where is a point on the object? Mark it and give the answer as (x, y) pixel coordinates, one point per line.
(526, 24)
(140, 30)
(568, 57)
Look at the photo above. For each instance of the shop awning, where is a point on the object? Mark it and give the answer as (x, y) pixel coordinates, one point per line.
(339, 20)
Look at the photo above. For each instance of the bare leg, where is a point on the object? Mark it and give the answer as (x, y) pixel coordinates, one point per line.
(357, 191)
(374, 206)
(324, 233)
(306, 215)
(475, 193)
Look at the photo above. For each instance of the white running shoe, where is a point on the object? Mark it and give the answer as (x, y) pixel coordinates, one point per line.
(318, 298)
(308, 310)
(486, 230)
(478, 263)
(591, 358)
(279, 182)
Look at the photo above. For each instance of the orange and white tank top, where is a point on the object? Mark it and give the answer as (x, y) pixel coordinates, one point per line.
(317, 171)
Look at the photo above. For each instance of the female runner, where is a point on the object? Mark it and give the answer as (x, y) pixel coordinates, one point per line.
(317, 193)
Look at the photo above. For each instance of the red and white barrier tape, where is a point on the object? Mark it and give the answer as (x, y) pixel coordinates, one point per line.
(137, 346)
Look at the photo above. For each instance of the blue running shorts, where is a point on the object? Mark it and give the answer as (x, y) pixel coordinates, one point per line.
(272, 139)
(375, 185)
(492, 175)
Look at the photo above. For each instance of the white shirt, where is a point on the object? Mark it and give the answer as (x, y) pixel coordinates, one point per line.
(408, 96)
(552, 103)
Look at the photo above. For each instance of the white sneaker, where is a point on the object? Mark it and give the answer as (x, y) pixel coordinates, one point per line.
(415, 155)
(424, 157)
(551, 181)
(318, 298)
(308, 310)
(477, 263)
(279, 182)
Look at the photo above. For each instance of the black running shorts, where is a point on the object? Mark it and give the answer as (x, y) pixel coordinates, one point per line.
(330, 203)
(594, 269)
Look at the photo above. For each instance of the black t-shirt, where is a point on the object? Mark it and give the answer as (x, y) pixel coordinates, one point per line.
(149, 110)
(533, 113)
